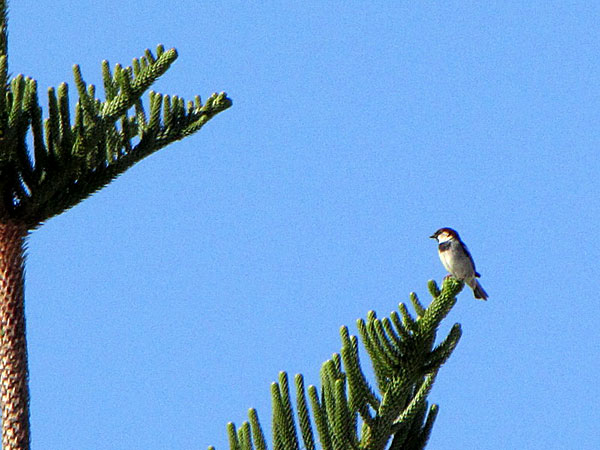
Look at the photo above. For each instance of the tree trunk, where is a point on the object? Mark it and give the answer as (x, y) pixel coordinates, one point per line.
(14, 389)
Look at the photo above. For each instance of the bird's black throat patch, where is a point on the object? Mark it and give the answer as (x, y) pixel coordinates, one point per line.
(444, 246)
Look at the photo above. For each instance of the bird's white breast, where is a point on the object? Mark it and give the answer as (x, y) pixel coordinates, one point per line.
(456, 261)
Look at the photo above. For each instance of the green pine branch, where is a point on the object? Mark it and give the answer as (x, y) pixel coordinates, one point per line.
(48, 165)
(349, 413)
(73, 157)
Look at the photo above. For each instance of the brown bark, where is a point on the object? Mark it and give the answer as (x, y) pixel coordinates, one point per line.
(14, 390)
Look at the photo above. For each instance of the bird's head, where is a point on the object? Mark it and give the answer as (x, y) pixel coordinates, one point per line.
(444, 235)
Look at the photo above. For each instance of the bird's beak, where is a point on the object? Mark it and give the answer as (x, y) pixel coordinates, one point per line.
(432, 236)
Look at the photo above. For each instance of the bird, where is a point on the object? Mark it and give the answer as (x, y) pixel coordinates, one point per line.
(457, 260)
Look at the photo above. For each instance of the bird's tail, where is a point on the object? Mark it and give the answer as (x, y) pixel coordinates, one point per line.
(478, 291)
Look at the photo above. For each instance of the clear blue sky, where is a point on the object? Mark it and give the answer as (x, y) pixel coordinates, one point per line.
(164, 306)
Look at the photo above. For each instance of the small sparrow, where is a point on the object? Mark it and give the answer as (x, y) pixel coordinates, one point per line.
(457, 260)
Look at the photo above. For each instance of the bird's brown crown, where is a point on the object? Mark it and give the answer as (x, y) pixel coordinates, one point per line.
(445, 233)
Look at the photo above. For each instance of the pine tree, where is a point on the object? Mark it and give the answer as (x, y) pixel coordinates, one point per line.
(71, 159)
(348, 413)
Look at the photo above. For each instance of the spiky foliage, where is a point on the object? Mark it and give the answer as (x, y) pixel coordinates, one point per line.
(49, 165)
(74, 157)
(348, 413)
